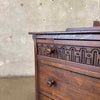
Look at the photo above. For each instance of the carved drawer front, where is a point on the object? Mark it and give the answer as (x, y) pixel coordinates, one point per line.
(60, 84)
(43, 97)
(80, 54)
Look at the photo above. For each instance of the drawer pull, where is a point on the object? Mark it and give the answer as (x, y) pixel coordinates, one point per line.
(49, 51)
(50, 83)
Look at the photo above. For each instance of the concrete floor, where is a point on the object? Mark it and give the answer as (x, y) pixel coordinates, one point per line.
(17, 88)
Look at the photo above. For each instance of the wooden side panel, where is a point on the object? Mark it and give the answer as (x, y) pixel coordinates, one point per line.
(68, 85)
(36, 68)
(43, 97)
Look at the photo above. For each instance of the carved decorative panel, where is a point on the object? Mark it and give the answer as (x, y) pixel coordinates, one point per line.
(84, 55)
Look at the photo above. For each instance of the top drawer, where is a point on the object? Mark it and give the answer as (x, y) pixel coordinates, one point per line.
(85, 52)
(84, 55)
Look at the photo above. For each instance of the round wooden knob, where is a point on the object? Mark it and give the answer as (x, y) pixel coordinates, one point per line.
(50, 83)
(49, 51)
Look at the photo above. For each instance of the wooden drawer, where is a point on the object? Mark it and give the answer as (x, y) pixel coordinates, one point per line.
(60, 84)
(83, 52)
(78, 56)
(43, 97)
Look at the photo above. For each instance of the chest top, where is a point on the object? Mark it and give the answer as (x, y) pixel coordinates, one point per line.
(76, 45)
(92, 33)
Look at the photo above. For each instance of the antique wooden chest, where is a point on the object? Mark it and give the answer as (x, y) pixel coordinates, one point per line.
(67, 64)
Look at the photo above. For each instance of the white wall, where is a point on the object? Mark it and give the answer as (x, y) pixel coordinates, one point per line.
(18, 17)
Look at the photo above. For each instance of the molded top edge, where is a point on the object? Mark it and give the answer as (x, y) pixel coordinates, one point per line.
(64, 32)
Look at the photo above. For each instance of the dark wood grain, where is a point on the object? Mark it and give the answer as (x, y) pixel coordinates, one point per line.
(68, 85)
(43, 97)
(71, 66)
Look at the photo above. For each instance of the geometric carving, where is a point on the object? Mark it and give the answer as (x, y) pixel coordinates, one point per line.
(84, 55)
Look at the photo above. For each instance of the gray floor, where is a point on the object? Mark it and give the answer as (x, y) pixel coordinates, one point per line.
(17, 88)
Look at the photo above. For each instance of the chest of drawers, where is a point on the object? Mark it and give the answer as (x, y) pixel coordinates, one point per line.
(67, 64)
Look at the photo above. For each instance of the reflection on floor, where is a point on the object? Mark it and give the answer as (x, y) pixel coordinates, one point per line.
(22, 88)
